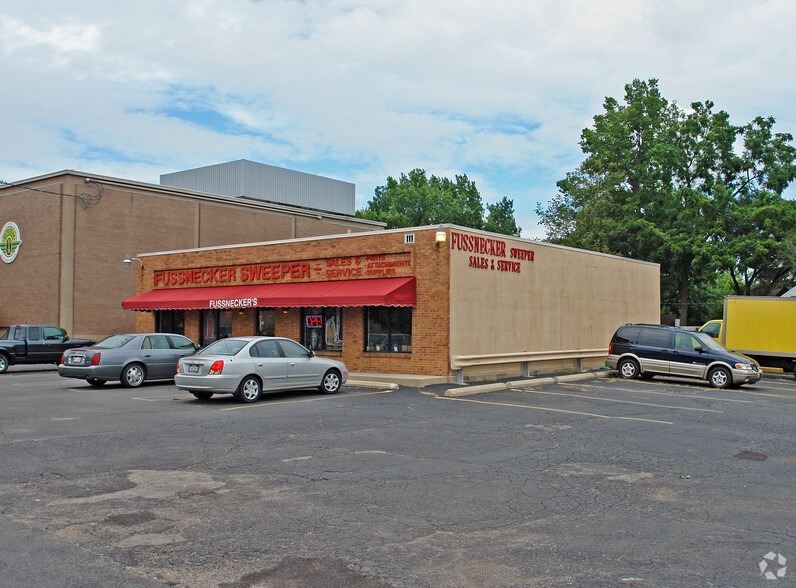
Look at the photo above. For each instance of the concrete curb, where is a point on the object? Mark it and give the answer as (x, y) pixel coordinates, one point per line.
(497, 387)
(367, 384)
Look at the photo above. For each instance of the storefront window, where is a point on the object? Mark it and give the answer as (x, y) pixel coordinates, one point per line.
(322, 328)
(388, 329)
(216, 324)
(170, 321)
(266, 322)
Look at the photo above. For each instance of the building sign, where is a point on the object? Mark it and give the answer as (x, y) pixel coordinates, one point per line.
(331, 268)
(314, 321)
(226, 303)
(10, 242)
(487, 249)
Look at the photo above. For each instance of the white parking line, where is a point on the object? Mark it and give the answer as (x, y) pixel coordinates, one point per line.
(329, 397)
(660, 393)
(525, 406)
(621, 401)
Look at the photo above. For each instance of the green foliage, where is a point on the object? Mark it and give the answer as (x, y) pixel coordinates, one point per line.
(685, 189)
(500, 218)
(416, 200)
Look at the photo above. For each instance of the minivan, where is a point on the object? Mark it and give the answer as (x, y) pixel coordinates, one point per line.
(656, 350)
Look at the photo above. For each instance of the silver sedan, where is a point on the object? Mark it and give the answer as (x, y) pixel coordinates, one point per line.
(130, 358)
(247, 366)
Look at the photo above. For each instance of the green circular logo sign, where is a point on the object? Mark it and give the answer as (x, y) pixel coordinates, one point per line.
(10, 242)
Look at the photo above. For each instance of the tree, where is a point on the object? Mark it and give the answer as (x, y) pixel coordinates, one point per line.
(500, 218)
(671, 186)
(417, 200)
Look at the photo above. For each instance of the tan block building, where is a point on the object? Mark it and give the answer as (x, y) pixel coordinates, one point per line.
(443, 301)
(76, 228)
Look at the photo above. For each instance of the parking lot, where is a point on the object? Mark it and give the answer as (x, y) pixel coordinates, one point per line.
(595, 482)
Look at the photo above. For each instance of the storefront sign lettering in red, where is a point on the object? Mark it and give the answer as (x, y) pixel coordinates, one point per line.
(331, 268)
(229, 275)
(486, 246)
(212, 275)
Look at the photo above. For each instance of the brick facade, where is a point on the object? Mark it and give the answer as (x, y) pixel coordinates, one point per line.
(429, 265)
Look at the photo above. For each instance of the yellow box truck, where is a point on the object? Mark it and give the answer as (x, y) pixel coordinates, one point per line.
(762, 327)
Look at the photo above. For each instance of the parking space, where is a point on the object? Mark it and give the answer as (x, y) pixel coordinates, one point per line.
(594, 482)
(658, 400)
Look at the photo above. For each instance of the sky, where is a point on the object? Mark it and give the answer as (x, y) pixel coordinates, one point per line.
(360, 91)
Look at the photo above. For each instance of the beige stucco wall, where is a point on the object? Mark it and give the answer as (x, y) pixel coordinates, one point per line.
(564, 299)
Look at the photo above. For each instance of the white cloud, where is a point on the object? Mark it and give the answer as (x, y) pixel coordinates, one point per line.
(362, 91)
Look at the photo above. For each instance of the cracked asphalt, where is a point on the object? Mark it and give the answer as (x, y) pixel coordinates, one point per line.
(604, 482)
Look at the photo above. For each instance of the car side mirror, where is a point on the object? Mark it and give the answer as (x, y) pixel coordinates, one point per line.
(66, 338)
(312, 353)
(699, 349)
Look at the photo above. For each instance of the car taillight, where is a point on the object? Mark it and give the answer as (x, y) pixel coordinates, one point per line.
(216, 368)
(62, 357)
(95, 359)
(610, 348)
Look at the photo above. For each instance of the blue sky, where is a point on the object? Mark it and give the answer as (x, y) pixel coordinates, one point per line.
(360, 91)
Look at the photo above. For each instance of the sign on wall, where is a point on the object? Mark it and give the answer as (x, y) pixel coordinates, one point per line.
(387, 265)
(10, 242)
(491, 254)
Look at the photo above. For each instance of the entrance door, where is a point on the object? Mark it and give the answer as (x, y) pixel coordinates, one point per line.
(216, 324)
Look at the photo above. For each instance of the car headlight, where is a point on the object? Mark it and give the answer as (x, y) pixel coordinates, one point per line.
(745, 366)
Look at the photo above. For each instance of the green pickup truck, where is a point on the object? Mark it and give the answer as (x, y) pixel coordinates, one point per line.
(29, 344)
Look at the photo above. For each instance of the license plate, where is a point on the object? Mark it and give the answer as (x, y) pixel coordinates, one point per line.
(77, 359)
(193, 369)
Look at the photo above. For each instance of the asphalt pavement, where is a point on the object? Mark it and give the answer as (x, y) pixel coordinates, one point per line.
(585, 482)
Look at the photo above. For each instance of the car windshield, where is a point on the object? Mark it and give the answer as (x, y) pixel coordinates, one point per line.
(115, 341)
(224, 347)
(709, 342)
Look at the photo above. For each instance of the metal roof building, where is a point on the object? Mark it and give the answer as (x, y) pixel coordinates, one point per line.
(260, 181)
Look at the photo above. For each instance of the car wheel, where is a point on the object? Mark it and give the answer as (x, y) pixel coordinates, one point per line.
(331, 382)
(249, 389)
(202, 394)
(720, 377)
(3, 363)
(96, 382)
(133, 375)
(628, 368)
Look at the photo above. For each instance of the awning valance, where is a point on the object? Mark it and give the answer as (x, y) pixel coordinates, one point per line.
(375, 292)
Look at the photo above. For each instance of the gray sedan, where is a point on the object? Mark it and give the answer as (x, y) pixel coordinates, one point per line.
(130, 358)
(247, 366)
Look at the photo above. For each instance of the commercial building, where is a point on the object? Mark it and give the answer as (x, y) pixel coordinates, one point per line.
(65, 234)
(445, 301)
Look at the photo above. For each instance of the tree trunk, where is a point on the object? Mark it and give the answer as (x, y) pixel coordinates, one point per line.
(684, 283)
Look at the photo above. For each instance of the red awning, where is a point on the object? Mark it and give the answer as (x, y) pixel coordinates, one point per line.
(375, 292)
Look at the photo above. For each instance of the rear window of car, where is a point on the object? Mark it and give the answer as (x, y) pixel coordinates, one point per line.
(181, 342)
(264, 349)
(652, 337)
(626, 335)
(115, 341)
(224, 347)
